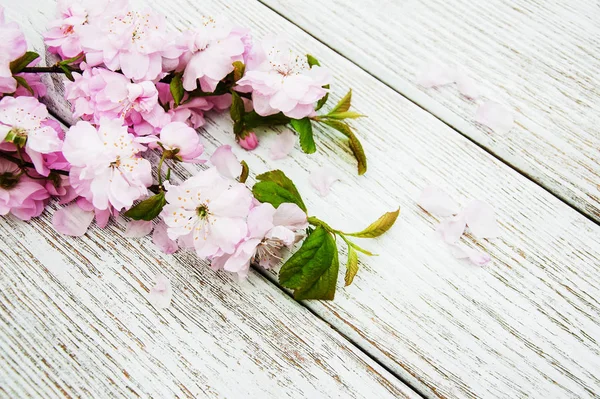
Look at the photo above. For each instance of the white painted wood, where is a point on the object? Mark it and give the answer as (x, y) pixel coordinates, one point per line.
(541, 58)
(526, 325)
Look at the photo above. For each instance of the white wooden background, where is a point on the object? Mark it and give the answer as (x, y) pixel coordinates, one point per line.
(75, 321)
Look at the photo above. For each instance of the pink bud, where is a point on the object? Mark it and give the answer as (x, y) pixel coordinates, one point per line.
(249, 142)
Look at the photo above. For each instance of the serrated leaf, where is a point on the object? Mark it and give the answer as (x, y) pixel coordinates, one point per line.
(22, 82)
(276, 188)
(312, 271)
(252, 120)
(379, 226)
(238, 70)
(355, 145)
(304, 128)
(148, 209)
(323, 99)
(21, 63)
(245, 172)
(176, 88)
(344, 115)
(344, 104)
(351, 266)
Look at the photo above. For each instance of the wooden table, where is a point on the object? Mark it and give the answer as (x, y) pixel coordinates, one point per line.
(75, 321)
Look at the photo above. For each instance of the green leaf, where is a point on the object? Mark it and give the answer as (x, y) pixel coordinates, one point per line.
(22, 82)
(344, 104)
(176, 88)
(67, 72)
(238, 70)
(351, 266)
(304, 128)
(355, 145)
(323, 99)
(312, 271)
(20, 63)
(252, 120)
(237, 114)
(148, 209)
(344, 115)
(276, 188)
(69, 61)
(379, 226)
(245, 171)
(312, 61)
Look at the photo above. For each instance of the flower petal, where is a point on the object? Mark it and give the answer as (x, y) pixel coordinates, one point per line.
(226, 162)
(481, 219)
(162, 240)
(435, 75)
(161, 294)
(322, 178)
(436, 201)
(452, 229)
(466, 85)
(476, 257)
(138, 228)
(72, 220)
(283, 144)
(495, 116)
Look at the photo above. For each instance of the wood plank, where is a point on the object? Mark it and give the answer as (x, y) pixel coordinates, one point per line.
(539, 58)
(523, 326)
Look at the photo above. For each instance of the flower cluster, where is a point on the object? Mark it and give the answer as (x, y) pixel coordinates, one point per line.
(139, 93)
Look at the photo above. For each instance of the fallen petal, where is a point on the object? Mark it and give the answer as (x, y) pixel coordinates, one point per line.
(72, 220)
(138, 228)
(481, 219)
(226, 162)
(466, 85)
(162, 240)
(495, 116)
(161, 294)
(322, 178)
(435, 75)
(283, 144)
(476, 257)
(452, 229)
(436, 201)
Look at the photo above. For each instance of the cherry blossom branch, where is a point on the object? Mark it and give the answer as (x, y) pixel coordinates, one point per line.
(51, 69)
(25, 164)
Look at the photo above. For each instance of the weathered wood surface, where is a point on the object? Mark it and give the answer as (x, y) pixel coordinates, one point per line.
(524, 326)
(540, 58)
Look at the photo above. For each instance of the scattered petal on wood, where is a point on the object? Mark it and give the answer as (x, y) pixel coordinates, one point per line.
(436, 201)
(283, 144)
(476, 257)
(435, 75)
(495, 116)
(452, 229)
(138, 228)
(162, 240)
(322, 178)
(72, 220)
(466, 85)
(226, 162)
(161, 294)
(481, 219)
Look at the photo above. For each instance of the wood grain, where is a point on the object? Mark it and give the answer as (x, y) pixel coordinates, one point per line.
(539, 58)
(527, 325)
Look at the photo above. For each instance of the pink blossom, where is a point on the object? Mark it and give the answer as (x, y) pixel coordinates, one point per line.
(138, 228)
(161, 293)
(210, 51)
(452, 228)
(72, 220)
(281, 81)
(226, 162)
(270, 230)
(105, 165)
(20, 195)
(129, 41)
(249, 141)
(61, 187)
(161, 239)
(23, 122)
(322, 179)
(182, 141)
(12, 46)
(208, 210)
(102, 215)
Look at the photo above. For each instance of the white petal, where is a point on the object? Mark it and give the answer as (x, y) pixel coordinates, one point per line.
(72, 220)
(162, 240)
(495, 116)
(452, 229)
(161, 294)
(322, 178)
(436, 201)
(138, 228)
(434, 75)
(466, 85)
(476, 257)
(283, 144)
(226, 162)
(481, 219)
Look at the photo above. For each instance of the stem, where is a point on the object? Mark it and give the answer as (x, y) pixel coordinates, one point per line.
(49, 69)
(160, 164)
(318, 222)
(24, 164)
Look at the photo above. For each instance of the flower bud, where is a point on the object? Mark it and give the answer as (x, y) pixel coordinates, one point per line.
(249, 141)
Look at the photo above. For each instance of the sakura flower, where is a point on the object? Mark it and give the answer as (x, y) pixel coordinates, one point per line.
(182, 142)
(102, 215)
(23, 124)
(129, 41)
(269, 231)
(72, 220)
(138, 228)
(12, 47)
(495, 116)
(249, 141)
(283, 144)
(105, 165)
(60, 186)
(226, 162)
(210, 52)
(208, 210)
(161, 239)
(161, 293)
(322, 178)
(281, 81)
(20, 195)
